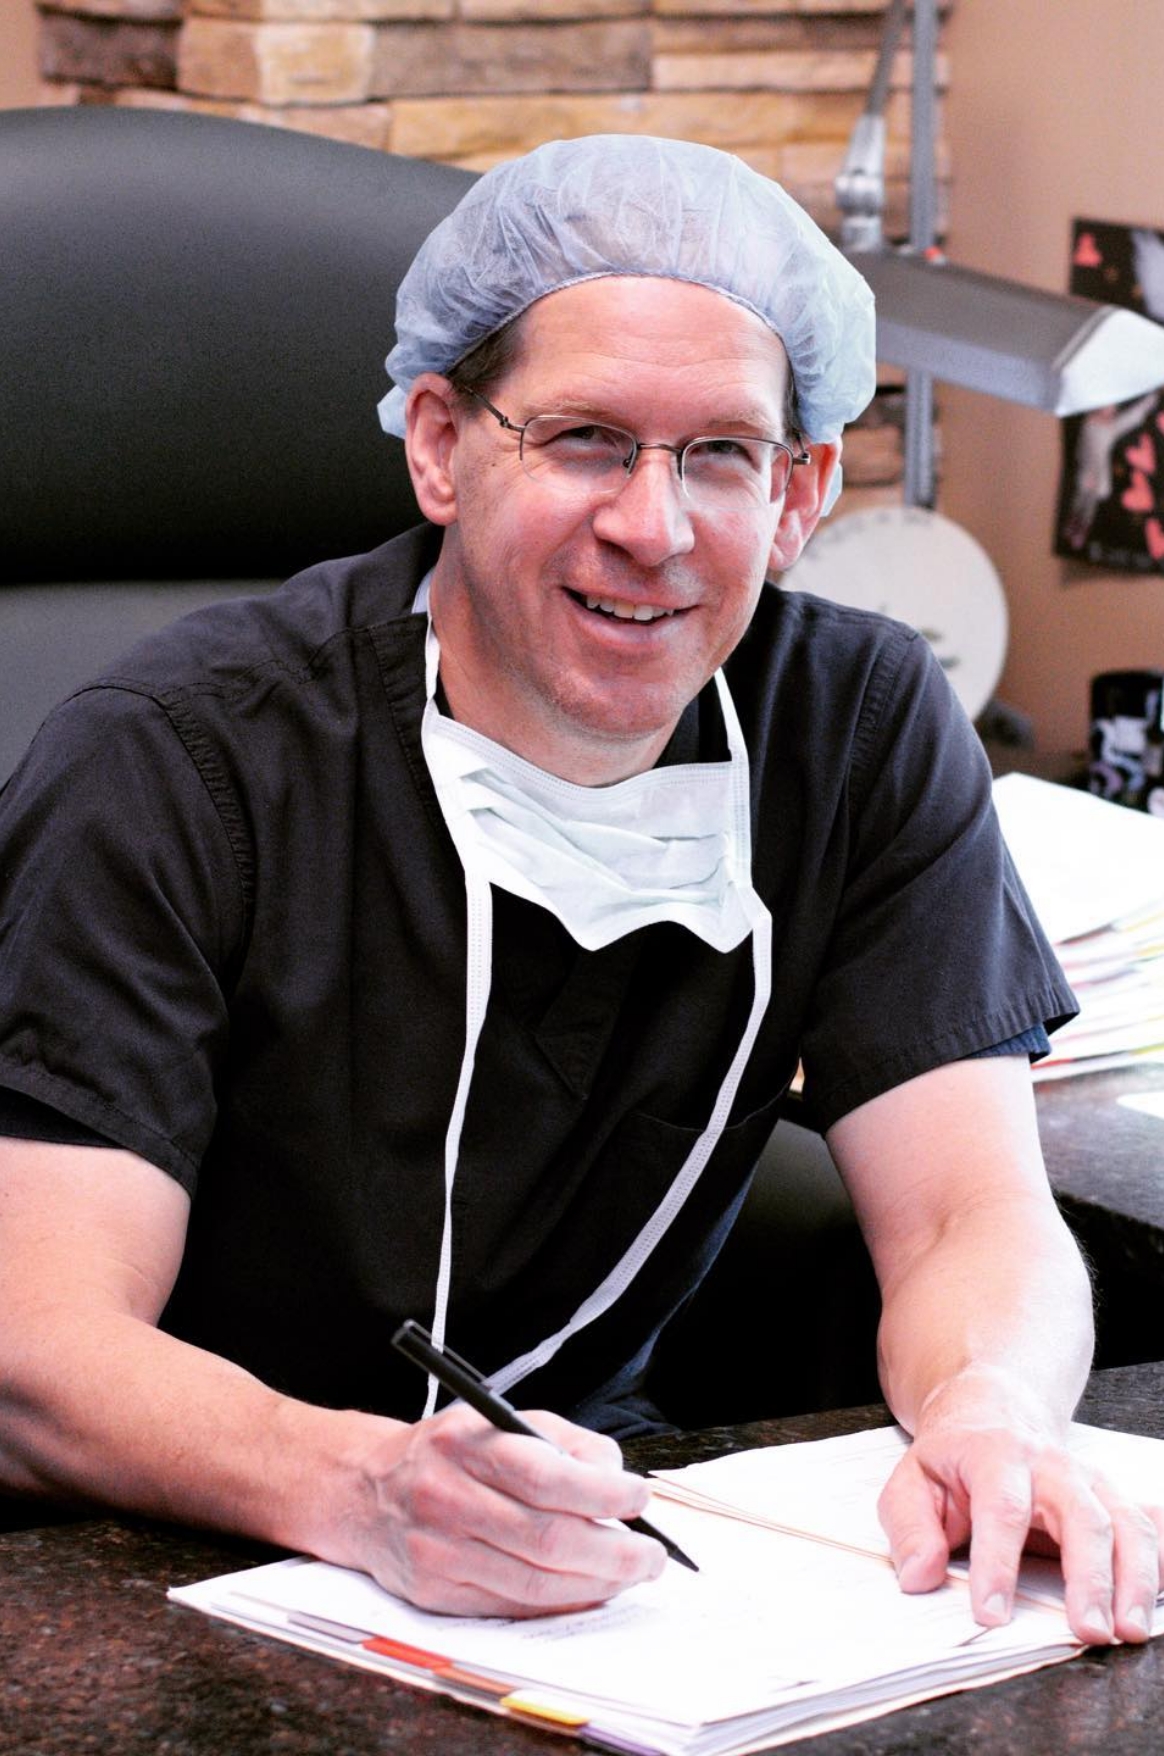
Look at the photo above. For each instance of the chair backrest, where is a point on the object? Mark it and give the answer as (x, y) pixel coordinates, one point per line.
(194, 315)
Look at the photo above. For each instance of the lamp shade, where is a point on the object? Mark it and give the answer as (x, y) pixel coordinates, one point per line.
(1047, 350)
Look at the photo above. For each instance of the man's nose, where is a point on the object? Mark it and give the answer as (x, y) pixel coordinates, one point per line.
(649, 516)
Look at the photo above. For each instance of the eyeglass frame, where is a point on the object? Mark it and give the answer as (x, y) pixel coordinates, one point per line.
(678, 452)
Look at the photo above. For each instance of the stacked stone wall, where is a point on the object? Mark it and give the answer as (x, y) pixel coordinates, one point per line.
(470, 82)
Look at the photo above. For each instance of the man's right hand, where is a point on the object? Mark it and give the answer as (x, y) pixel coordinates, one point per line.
(475, 1522)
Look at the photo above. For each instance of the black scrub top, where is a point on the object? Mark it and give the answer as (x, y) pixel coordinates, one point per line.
(232, 940)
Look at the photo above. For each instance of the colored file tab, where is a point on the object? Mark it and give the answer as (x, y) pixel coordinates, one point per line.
(537, 1707)
(418, 1658)
(481, 1685)
(407, 1655)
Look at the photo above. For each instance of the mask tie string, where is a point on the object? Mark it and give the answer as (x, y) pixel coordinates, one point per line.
(478, 980)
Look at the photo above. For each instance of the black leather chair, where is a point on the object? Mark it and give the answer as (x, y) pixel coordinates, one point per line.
(194, 315)
(786, 1320)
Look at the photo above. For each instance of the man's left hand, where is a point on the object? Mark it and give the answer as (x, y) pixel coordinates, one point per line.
(1005, 1490)
(985, 1341)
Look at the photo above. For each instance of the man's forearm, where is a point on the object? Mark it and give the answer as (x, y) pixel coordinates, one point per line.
(1000, 1306)
(115, 1410)
(977, 1269)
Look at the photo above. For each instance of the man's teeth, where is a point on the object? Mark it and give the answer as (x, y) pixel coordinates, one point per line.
(627, 612)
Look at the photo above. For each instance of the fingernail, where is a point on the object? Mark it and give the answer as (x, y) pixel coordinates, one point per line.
(996, 1608)
(658, 1565)
(1137, 1618)
(1098, 1617)
(908, 1571)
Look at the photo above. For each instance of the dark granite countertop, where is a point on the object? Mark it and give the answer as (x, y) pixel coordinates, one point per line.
(1106, 1165)
(1102, 1153)
(94, 1659)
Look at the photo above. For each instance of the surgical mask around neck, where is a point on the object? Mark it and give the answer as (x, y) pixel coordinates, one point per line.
(661, 846)
(669, 845)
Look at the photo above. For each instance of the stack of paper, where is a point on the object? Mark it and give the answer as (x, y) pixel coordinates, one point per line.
(793, 1624)
(1095, 873)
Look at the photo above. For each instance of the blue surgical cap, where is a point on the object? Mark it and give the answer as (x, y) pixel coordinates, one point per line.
(578, 210)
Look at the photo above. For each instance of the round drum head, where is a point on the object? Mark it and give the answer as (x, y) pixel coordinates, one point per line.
(921, 568)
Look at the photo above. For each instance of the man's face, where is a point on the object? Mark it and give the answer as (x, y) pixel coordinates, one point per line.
(534, 591)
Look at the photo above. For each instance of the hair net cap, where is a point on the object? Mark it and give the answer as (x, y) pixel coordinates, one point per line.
(608, 204)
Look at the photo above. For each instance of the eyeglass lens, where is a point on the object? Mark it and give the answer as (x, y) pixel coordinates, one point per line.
(564, 453)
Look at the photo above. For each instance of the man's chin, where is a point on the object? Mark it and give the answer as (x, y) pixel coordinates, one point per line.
(618, 738)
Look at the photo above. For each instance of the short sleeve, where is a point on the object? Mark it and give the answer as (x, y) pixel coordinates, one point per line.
(935, 953)
(122, 913)
(23, 1118)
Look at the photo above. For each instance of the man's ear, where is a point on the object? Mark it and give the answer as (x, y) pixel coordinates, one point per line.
(804, 501)
(430, 438)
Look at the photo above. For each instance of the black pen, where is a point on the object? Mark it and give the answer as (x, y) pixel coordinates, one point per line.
(466, 1382)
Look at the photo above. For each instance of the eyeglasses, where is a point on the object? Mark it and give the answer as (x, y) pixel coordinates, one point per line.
(717, 471)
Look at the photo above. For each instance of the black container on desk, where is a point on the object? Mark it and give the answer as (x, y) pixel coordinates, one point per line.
(1127, 739)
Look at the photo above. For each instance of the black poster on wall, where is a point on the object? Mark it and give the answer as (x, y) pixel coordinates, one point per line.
(1111, 496)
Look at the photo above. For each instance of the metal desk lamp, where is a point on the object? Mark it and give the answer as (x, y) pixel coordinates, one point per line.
(1046, 350)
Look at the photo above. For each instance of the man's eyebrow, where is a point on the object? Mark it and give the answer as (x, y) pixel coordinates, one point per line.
(738, 420)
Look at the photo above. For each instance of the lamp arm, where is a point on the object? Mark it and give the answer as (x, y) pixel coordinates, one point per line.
(920, 485)
(860, 183)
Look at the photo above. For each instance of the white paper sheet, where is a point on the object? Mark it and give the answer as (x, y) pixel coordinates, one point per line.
(1084, 861)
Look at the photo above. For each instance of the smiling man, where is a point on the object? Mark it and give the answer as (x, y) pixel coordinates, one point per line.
(438, 938)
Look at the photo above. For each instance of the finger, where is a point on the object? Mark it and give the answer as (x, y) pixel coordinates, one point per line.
(598, 1449)
(473, 1579)
(1156, 1514)
(912, 1512)
(1110, 1557)
(1001, 1509)
(542, 1476)
(1137, 1559)
(1085, 1531)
